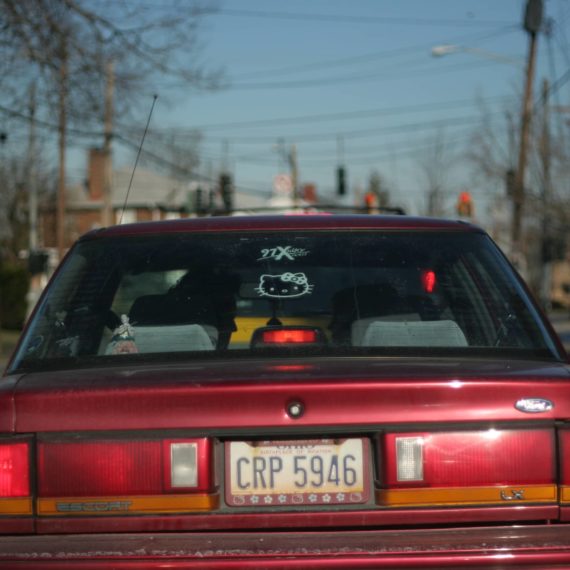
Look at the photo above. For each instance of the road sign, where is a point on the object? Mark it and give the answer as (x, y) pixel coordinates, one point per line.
(282, 184)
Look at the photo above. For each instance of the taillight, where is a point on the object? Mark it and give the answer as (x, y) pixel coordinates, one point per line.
(14, 470)
(15, 492)
(130, 475)
(100, 468)
(564, 444)
(468, 467)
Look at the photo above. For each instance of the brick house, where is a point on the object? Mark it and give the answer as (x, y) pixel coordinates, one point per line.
(152, 197)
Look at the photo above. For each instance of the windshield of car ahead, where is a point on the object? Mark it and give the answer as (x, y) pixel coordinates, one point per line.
(196, 295)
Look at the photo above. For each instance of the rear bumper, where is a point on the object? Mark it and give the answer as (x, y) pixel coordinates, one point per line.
(544, 547)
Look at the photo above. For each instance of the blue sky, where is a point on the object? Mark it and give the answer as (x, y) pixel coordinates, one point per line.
(360, 70)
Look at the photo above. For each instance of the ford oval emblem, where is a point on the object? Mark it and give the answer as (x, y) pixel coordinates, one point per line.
(534, 405)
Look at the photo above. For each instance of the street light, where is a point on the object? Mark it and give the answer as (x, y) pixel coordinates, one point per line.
(446, 49)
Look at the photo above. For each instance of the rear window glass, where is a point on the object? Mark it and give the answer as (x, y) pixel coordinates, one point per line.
(328, 293)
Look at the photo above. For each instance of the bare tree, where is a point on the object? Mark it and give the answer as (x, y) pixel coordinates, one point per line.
(143, 41)
(174, 155)
(14, 194)
(436, 163)
(493, 152)
(493, 146)
(66, 47)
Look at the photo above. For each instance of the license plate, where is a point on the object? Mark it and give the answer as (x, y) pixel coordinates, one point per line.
(306, 472)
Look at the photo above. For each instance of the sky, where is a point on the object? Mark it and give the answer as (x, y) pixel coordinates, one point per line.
(355, 81)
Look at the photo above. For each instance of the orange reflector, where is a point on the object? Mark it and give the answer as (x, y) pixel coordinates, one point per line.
(565, 494)
(21, 506)
(467, 496)
(90, 506)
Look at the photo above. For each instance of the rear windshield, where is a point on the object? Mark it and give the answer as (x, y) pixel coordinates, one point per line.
(225, 295)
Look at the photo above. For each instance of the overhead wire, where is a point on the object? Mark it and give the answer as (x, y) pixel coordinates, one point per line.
(385, 54)
(358, 133)
(325, 117)
(351, 18)
(356, 78)
(390, 56)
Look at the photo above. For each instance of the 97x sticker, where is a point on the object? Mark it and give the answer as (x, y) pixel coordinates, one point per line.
(282, 252)
(287, 285)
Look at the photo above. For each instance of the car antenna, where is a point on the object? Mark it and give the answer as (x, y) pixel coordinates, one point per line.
(154, 98)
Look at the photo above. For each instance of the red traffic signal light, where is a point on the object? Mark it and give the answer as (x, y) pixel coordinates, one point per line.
(465, 207)
(371, 202)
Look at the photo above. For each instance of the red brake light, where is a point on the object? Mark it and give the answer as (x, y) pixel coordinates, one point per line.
(109, 468)
(429, 281)
(456, 459)
(101, 468)
(289, 336)
(14, 470)
(468, 468)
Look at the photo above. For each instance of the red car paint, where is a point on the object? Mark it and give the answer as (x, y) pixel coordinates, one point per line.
(374, 397)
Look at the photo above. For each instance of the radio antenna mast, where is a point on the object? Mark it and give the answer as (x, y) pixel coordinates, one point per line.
(154, 98)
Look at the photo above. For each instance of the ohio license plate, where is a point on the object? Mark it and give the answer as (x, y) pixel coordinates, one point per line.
(305, 472)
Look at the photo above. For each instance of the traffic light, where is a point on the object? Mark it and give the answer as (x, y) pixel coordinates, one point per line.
(199, 208)
(341, 180)
(227, 192)
(510, 182)
(371, 202)
(533, 16)
(465, 205)
(37, 262)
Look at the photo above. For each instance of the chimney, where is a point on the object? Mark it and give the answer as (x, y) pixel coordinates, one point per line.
(309, 193)
(96, 174)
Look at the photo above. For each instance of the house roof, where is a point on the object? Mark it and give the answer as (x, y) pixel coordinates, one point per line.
(150, 190)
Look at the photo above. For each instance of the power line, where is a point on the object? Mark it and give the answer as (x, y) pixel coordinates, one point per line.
(359, 132)
(45, 124)
(325, 117)
(348, 79)
(372, 56)
(351, 19)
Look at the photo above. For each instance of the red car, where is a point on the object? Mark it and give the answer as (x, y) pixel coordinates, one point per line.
(286, 392)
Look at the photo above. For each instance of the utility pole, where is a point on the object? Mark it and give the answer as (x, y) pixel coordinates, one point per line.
(532, 22)
(225, 156)
(108, 217)
(32, 187)
(546, 221)
(35, 257)
(294, 174)
(60, 218)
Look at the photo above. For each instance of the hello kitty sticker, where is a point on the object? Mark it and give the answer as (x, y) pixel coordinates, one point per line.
(285, 286)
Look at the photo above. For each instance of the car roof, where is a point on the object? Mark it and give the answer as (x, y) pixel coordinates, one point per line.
(283, 222)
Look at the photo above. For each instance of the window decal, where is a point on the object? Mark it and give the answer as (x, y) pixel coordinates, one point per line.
(282, 252)
(285, 286)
